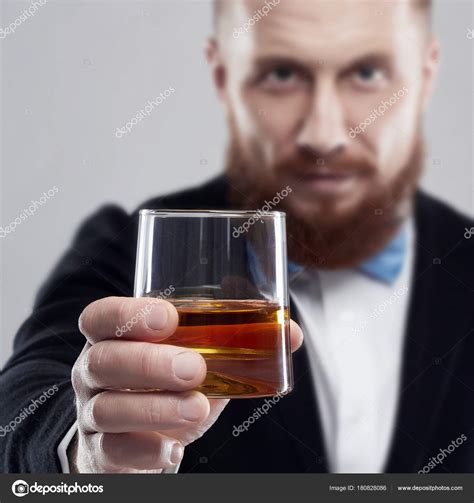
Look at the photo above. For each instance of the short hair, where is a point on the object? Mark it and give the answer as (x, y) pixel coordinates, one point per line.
(219, 6)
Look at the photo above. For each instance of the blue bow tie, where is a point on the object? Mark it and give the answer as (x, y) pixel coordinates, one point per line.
(385, 266)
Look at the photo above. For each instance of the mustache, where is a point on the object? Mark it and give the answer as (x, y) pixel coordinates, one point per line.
(301, 167)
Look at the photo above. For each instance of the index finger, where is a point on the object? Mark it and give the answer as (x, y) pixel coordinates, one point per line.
(145, 319)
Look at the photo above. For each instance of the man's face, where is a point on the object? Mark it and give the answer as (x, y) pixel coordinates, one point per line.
(326, 97)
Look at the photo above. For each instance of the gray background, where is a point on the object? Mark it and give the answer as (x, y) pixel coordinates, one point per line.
(75, 71)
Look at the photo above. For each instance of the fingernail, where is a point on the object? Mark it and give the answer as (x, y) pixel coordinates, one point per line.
(177, 452)
(189, 408)
(186, 365)
(157, 318)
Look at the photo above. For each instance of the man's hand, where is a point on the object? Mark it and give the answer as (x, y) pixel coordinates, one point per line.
(124, 431)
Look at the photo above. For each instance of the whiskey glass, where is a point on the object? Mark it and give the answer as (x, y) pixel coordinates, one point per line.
(226, 274)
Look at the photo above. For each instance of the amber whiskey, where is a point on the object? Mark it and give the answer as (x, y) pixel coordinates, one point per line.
(245, 344)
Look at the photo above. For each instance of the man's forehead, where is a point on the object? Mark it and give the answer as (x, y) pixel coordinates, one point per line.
(326, 28)
(323, 11)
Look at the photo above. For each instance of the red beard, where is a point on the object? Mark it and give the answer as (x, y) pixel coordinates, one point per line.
(324, 238)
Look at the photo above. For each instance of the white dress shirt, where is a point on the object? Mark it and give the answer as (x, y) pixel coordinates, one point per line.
(354, 330)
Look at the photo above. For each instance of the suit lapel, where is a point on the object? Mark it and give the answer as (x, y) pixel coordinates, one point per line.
(429, 352)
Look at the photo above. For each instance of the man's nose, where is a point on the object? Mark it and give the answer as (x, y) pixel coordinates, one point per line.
(323, 131)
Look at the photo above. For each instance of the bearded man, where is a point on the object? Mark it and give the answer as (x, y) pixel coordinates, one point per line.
(324, 103)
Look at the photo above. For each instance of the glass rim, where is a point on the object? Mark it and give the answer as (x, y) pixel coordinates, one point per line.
(211, 213)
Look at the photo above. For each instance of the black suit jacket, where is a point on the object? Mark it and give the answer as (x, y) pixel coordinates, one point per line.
(436, 404)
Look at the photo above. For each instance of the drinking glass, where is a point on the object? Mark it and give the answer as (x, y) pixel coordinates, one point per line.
(226, 274)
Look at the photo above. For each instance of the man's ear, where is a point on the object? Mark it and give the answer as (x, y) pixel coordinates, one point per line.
(430, 68)
(216, 65)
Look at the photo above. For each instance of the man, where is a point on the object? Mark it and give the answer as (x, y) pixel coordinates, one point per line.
(327, 99)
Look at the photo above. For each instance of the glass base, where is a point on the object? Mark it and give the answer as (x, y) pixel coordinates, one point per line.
(218, 385)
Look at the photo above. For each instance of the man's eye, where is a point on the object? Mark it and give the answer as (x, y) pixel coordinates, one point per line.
(368, 75)
(280, 78)
(282, 74)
